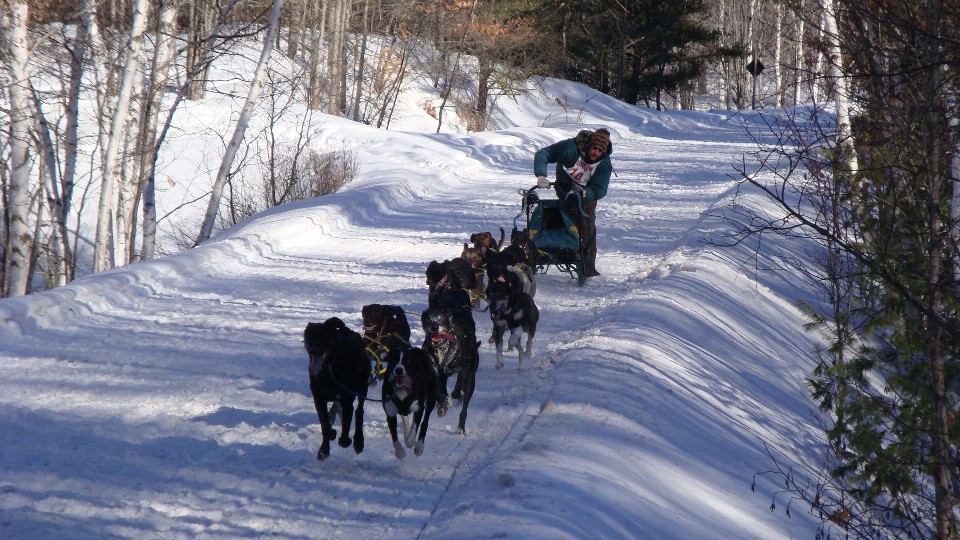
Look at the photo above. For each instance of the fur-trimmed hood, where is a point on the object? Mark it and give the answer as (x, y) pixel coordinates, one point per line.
(600, 138)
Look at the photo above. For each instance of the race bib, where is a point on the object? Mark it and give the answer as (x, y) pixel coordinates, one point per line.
(581, 171)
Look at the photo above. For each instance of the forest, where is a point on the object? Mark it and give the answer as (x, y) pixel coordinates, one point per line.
(93, 88)
(136, 63)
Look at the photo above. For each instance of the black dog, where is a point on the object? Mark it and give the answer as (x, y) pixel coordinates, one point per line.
(410, 387)
(450, 340)
(445, 286)
(513, 254)
(521, 257)
(515, 310)
(521, 238)
(510, 265)
(338, 373)
(385, 328)
(455, 274)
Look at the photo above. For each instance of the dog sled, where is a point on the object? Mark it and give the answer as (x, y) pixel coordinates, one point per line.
(554, 226)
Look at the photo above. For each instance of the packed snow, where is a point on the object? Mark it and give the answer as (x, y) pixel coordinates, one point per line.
(170, 399)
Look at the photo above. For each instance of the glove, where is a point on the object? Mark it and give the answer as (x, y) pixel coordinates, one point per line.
(542, 182)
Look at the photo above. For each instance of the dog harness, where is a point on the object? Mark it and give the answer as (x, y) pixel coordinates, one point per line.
(377, 349)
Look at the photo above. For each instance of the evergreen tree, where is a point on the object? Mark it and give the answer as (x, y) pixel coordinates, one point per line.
(889, 381)
(635, 51)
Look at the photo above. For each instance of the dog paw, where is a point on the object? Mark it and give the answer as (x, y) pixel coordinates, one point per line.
(358, 444)
(344, 442)
(443, 405)
(500, 365)
(323, 454)
(398, 450)
(418, 449)
(411, 441)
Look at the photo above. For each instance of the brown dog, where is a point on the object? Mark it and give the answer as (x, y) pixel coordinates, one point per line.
(472, 255)
(477, 262)
(484, 242)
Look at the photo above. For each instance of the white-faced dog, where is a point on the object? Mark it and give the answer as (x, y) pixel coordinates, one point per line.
(409, 389)
(514, 310)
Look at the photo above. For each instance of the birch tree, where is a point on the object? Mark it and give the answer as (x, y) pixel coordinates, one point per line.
(800, 62)
(256, 86)
(841, 84)
(20, 239)
(53, 249)
(104, 253)
(336, 56)
(162, 58)
(318, 23)
(201, 15)
(129, 170)
(361, 61)
(778, 55)
(77, 48)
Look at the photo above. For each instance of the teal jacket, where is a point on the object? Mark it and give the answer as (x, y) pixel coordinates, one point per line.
(565, 154)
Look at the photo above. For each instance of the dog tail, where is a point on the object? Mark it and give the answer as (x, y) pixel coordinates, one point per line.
(503, 236)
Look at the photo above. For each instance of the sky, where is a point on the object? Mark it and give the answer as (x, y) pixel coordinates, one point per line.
(170, 398)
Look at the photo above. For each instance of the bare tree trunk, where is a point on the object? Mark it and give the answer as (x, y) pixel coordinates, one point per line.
(777, 54)
(129, 174)
(315, 88)
(162, 58)
(256, 87)
(817, 67)
(201, 26)
(483, 87)
(70, 136)
(19, 248)
(944, 462)
(103, 249)
(452, 74)
(54, 249)
(954, 123)
(392, 90)
(185, 86)
(346, 7)
(335, 62)
(294, 31)
(752, 43)
(103, 81)
(724, 64)
(801, 63)
(841, 84)
(361, 60)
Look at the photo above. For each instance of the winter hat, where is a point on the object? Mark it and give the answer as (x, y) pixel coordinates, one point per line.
(600, 138)
(586, 138)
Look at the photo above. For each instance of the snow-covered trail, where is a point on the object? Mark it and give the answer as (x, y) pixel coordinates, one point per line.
(170, 399)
